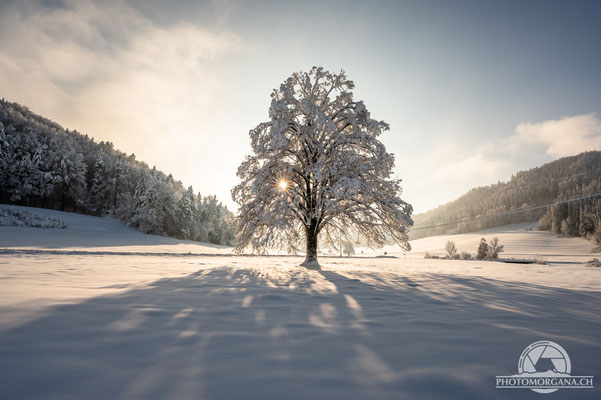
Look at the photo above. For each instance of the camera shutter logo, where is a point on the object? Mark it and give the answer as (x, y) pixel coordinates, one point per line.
(544, 367)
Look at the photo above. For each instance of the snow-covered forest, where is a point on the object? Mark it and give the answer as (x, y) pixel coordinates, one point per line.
(44, 165)
(558, 182)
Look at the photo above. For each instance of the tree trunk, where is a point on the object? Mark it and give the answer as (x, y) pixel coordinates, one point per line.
(311, 238)
(63, 200)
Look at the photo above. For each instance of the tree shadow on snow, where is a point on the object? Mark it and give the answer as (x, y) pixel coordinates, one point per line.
(248, 334)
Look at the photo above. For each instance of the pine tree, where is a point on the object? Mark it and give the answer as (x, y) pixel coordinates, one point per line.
(3, 143)
(186, 213)
(482, 250)
(101, 191)
(146, 207)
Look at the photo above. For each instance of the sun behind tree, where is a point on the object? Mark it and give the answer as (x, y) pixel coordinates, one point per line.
(318, 171)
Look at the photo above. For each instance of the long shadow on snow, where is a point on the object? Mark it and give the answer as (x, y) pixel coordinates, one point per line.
(245, 334)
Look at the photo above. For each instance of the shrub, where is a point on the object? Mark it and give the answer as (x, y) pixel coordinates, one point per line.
(451, 249)
(494, 249)
(465, 256)
(594, 263)
(431, 256)
(10, 217)
(544, 223)
(482, 250)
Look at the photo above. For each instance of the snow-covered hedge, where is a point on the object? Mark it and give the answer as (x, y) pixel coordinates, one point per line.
(10, 217)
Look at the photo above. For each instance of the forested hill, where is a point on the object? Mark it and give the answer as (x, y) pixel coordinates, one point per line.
(44, 165)
(521, 200)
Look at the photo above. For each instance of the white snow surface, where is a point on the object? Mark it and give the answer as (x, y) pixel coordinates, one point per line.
(521, 241)
(103, 319)
(86, 233)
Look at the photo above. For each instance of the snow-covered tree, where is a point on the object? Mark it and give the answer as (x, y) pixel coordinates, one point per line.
(318, 169)
(3, 142)
(451, 249)
(482, 250)
(155, 205)
(494, 249)
(348, 248)
(186, 213)
(70, 177)
(102, 188)
(145, 206)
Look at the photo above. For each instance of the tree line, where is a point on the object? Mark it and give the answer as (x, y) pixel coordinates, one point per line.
(44, 165)
(556, 183)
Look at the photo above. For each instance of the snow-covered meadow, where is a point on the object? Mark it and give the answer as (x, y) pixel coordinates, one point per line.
(99, 310)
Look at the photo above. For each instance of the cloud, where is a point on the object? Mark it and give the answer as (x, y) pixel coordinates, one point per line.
(483, 164)
(85, 52)
(560, 138)
(107, 70)
(557, 138)
(449, 170)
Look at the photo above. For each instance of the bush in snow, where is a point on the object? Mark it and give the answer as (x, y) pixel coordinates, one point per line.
(431, 256)
(494, 249)
(594, 263)
(451, 249)
(10, 217)
(465, 256)
(544, 223)
(489, 251)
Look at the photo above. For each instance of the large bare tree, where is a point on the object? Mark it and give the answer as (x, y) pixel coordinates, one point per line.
(318, 172)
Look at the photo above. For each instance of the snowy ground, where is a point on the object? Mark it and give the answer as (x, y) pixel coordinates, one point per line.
(102, 319)
(95, 234)
(522, 241)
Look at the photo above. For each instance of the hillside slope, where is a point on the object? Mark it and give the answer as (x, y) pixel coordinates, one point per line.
(45, 165)
(523, 199)
(86, 233)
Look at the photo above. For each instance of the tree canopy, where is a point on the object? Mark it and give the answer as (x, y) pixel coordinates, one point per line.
(318, 170)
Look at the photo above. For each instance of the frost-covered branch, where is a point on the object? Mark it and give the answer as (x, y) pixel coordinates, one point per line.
(318, 166)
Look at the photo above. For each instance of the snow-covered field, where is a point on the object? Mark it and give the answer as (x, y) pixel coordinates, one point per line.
(86, 312)
(94, 234)
(521, 241)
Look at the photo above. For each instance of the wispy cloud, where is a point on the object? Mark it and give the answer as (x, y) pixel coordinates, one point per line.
(474, 167)
(451, 170)
(107, 70)
(560, 137)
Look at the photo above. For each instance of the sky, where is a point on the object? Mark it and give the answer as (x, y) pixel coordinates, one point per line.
(474, 91)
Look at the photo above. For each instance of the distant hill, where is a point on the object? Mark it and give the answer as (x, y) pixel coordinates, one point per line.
(44, 165)
(523, 199)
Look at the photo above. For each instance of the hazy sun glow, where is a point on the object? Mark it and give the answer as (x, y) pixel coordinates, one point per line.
(283, 185)
(90, 65)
